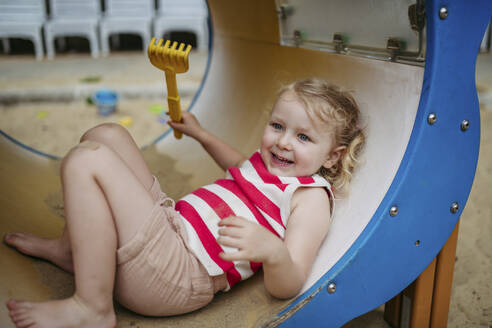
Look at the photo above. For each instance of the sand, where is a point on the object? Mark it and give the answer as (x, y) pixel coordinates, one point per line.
(44, 104)
(54, 127)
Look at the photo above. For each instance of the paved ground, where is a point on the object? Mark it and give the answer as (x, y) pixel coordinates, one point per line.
(70, 77)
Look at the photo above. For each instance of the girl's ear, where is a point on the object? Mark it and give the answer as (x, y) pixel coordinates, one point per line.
(334, 156)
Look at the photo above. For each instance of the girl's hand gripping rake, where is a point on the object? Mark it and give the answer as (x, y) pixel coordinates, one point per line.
(171, 60)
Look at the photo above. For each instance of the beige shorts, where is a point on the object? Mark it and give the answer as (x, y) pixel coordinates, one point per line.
(157, 274)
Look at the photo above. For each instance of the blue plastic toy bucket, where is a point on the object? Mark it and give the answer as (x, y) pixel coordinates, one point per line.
(105, 101)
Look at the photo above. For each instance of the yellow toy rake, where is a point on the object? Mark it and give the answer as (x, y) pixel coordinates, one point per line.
(171, 60)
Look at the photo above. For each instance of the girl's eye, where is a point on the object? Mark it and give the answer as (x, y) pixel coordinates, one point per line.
(276, 126)
(303, 137)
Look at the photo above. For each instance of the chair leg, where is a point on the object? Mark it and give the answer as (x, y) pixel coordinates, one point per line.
(145, 41)
(94, 43)
(38, 46)
(158, 31)
(104, 42)
(50, 44)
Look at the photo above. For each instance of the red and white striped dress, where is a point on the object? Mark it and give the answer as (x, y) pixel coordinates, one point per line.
(250, 192)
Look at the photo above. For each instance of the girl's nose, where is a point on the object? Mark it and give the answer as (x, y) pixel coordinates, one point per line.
(284, 142)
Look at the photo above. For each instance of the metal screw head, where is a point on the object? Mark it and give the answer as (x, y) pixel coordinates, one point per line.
(286, 10)
(332, 287)
(432, 118)
(465, 125)
(393, 210)
(454, 207)
(297, 37)
(443, 13)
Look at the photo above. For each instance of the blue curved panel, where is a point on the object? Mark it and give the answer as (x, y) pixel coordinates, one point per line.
(437, 170)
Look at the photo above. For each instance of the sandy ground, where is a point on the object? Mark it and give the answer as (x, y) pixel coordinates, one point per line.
(44, 104)
(53, 125)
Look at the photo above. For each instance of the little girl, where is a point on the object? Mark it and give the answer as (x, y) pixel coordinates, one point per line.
(123, 235)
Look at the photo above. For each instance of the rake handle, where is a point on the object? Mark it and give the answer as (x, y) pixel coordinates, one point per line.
(173, 100)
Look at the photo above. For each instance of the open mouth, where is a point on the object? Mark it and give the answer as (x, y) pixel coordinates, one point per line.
(281, 160)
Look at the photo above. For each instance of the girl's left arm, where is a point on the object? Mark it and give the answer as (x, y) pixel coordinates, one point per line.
(287, 263)
(306, 229)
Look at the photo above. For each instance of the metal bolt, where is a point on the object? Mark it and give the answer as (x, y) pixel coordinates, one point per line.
(454, 207)
(332, 287)
(465, 125)
(338, 42)
(297, 37)
(432, 118)
(286, 11)
(443, 13)
(393, 210)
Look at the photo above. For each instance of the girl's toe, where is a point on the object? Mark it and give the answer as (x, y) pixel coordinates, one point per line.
(11, 304)
(24, 323)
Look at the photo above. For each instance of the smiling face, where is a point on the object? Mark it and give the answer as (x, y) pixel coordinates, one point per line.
(293, 144)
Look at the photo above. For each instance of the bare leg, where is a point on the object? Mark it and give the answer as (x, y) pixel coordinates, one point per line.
(119, 140)
(58, 250)
(102, 199)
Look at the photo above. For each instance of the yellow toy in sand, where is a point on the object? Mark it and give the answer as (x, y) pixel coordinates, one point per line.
(171, 60)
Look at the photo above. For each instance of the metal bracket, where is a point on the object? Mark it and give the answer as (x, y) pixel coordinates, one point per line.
(297, 37)
(416, 16)
(395, 46)
(285, 10)
(338, 42)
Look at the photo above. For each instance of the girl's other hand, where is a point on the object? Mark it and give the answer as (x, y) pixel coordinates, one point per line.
(253, 241)
(189, 125)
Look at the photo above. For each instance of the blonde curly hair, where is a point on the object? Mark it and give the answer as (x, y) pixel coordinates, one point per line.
(330, 104)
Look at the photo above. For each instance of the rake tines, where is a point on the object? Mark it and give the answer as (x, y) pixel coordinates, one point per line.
(171, 60)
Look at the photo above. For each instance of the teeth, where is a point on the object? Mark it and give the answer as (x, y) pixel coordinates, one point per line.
(282, 159)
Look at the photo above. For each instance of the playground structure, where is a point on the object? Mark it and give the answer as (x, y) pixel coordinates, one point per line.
(401, 210)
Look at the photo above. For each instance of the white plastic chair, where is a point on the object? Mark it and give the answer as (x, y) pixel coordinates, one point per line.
(183, 15)
(126, 16)
(22, 19)
(73, 18)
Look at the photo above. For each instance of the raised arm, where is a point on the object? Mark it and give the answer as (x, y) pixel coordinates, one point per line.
(222, 153)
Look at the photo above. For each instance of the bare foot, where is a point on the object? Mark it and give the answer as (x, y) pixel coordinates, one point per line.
(70, 312)
(52, 250)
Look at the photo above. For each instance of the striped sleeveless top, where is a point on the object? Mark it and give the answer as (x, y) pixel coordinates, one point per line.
(249, 191)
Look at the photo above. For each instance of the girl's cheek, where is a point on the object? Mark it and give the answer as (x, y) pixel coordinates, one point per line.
(304, 150)
(269, 137)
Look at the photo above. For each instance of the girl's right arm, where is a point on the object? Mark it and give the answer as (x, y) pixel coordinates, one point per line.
(222, 153)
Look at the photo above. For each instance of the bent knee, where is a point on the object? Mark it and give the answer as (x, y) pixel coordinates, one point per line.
(88, 144)
(105, 132)
(83, 156)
